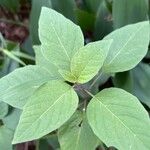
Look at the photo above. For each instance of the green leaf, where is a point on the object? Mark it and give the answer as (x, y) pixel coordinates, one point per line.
(45, 63)
(48, 108)
(119, 120)
(12, 119)
(128, 48)
(65, 7)
(103, 23)
(129, 11)
(141, 80)
(43, 145)
(124, 80)
(17, 86)
(86, 63)
(53, 141)
(85, 19)
(6, 136)
(34, 18)
(3, 109)
(93, 4)
(60, 38)
(77, 135)
(12, 5)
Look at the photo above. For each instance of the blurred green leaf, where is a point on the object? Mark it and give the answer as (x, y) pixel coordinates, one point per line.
(12, 119)
(12, 5)
(34, 17)
(65, 7)
(103, 23)
(129, 11)
(93, 5)
(85, 19)
(124, 80)
(3, 109)
(26, 46)
(6, 136)
(7, 64)
(141, 84)
(53, 141)
(43, 145)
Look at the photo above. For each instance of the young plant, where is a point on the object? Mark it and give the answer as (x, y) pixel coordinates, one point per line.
(48, 91)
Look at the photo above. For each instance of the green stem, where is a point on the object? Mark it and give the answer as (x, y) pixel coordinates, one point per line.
(37, 144)
(93, 83)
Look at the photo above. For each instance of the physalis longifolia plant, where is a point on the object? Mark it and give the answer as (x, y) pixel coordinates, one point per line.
(49, 91)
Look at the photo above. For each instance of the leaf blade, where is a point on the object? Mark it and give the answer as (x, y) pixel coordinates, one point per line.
(42, 61)
(127, 43)
(117, 112)
(38, 121)
(54, 32)
(6, 136)
(76, 134)
(86, 63)
(17, 86)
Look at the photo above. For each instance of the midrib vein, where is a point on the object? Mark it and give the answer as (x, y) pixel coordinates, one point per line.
(78, 137)
(117, 118)
(44, 113)
(65, 51)
(124, 45)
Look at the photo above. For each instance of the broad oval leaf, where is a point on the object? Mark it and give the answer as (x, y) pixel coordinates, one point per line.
(60, 37)
(6, 136)
(49, 107)
(119, 120)
(76, 134)
(86, 63)
(17, 86)
(3, 109)
(130, 44)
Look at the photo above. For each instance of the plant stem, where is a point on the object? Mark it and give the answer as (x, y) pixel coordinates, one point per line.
(37, 144)
(95, 80)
